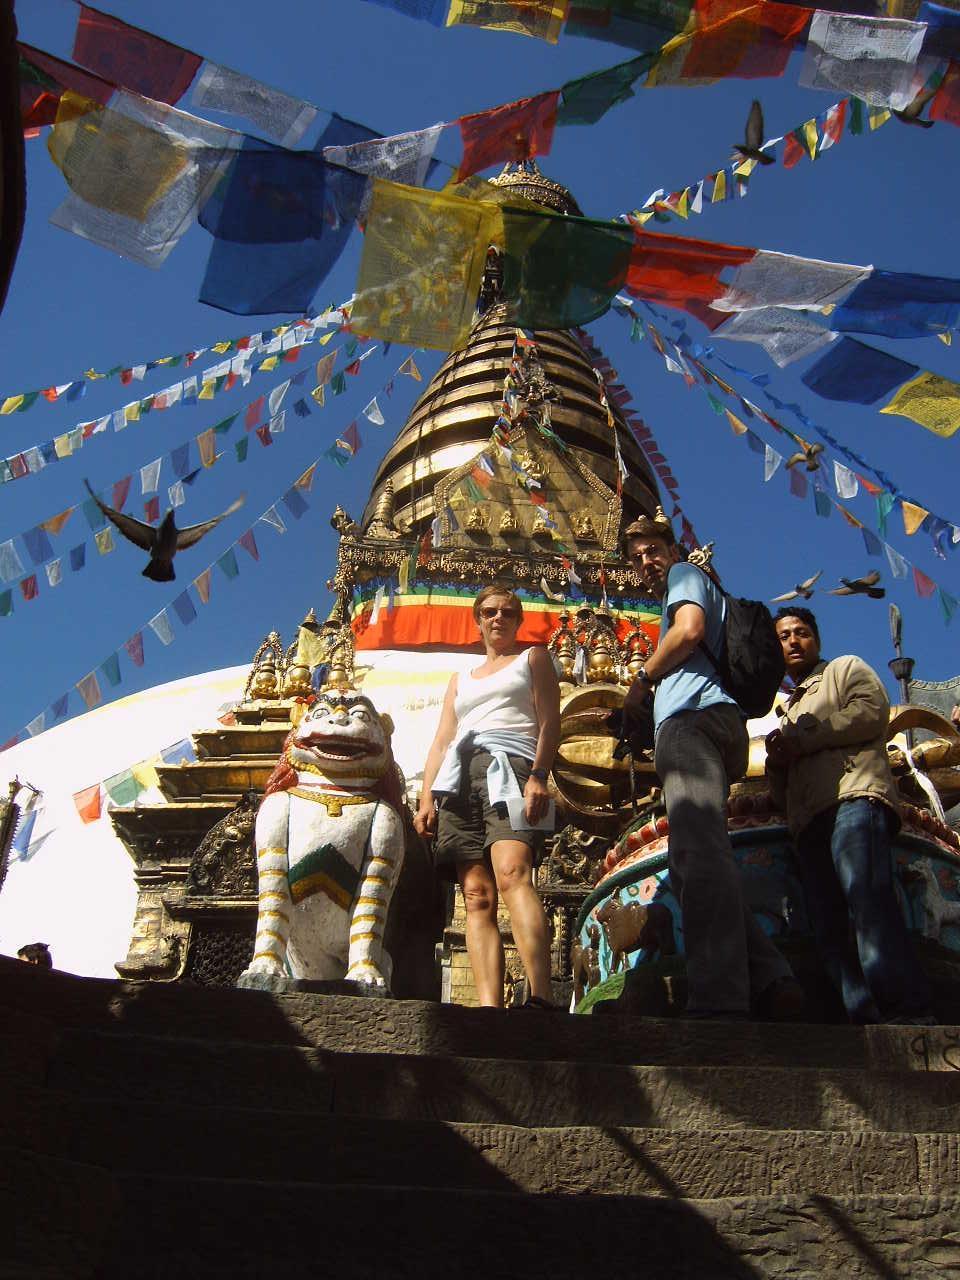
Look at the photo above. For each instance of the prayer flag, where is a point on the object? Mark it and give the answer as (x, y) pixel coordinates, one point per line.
(184, 608)
(254, 413)
(159, 624)
(873, 58)
(88, 803)
(202, 584)
(133, 58)
(847, 484)
(586, 100)
(679, 271)
(913, 516)
(120, 491)
(54, 571)
(409, 367)
(899, 304)
(373, 413)
(78, 557)
(241, 447)
(264, 435)
(29, 588)
(325, 368)
(925, 587)
(151, 510)
(273, 518)
(898, 566)
(930, 400)
(104, 540)
(276, 114)
(89, 690)
(249, 544)
(542, 19)
(228, 563)
(150, 477)
(294, 503)
(798, 483)
(857, 374)
(181, 752)
(423, 258)
(38, 545)
(11, 566)
(134, 648)
(111, 669)
(514, 132)
(207, 445)
(305, 481)
(771, 461)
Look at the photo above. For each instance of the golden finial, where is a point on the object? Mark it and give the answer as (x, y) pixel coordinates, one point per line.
(382, 525)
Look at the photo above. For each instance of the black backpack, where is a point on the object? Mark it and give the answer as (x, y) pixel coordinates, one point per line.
(751, 667)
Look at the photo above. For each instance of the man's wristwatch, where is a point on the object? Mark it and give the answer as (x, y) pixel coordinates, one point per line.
(642, 675)
(541, 775)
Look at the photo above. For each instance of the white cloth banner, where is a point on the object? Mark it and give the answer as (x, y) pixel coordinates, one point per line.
(159, 624)
(772, 279)
(786, 335)
(277, 114)
(873, 58)
(54, 570)
(11, 566)
(275, 399)
(848, 486)
(373, 414)
(150, 477)
(176, 495)
(771, 461)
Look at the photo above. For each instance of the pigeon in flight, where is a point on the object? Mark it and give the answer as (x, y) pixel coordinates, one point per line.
(164, 541)
(865, 586)
(809, 454)
(802, 589)
(754, 137)
(910, 114)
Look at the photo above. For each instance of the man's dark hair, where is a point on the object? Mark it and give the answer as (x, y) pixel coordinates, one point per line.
(36, 953)
(803, 614)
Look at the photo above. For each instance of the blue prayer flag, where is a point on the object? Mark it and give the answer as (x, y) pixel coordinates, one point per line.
(38, 545)
(183, 607)
(59, 708)
(858, 374)
(180, 458)
(898, 304)
(78, 556)
(295, 503)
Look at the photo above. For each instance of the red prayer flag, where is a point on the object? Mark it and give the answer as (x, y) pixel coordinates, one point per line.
(681, 272)
(254, 413)
(120, 491)
(836, 118)
(38, 106)
(793, 151)
(151, 509)
(353, 368)
(517, 131)
(134, 648)
(264, 436)
(249, 543)
(924, 586)
(736, 39)
(946, 101)
(871, 488)
(88, 803)
(293, 354)
(28, 587)
(352, 437)
(133, 58)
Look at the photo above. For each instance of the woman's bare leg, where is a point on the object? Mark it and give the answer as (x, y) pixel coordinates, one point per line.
(513, 871)
(484, 946)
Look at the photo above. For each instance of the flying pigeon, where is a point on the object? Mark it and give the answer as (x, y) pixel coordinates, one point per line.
(804, 589)
(164, 541)
(809, 453)
(910, 114)
(865, 586)
(754, 137)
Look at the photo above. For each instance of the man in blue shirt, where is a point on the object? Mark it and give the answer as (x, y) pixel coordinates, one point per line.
(701, 748)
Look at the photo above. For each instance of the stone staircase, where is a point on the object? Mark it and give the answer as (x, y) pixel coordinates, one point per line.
(166, 1130)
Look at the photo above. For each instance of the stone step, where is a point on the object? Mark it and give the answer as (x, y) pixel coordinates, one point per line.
(239, 1143)
(502, 1091)
(184, 1226)
(344, 1025)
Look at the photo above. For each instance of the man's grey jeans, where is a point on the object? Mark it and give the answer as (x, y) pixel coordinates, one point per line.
(698, 755)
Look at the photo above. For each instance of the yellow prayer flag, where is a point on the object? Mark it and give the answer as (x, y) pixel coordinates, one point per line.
(423, 259)
(221, 347)
(929, 400)
(318, 395)
(811, 137)
(208, 389)
(131, 412)
(325, 337)
(542, 19)
(878, 116)
(311, 649)
(104, 540)
(110, 160)
(913, 516)
(739, 428)
(683, 204)
(268, 365)
(305, 481)
(206, 443)
(946, 338)
(746, 167)
(202, 584)
(92, 375)
(56, 523)
(61, 446)
(850, 518)
(11, 404)
(719, 188)
(146, 774)
(642, 216)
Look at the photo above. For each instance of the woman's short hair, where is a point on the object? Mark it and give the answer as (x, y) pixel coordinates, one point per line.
(493, 590)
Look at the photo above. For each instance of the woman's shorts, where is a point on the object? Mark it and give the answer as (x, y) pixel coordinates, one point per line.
(468, 824)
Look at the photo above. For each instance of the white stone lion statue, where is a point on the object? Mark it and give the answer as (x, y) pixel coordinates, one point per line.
(330, 843)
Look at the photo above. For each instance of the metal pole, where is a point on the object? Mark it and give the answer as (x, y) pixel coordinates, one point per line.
(901, 667)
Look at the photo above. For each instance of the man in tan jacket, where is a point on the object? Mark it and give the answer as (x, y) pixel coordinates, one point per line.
(827, 768)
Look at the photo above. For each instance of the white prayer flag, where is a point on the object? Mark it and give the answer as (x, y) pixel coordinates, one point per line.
(848, 486)
(54, 570)
(771, 461)
(159, 624)
(273, 518)
(372, 413)
(277, 114)
(872, 58)
(898, 566)
(176, 495)
(276, 397)
(377, 604)
(150, 477)
(772, 279)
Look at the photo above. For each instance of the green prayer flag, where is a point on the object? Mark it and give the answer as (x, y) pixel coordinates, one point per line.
(856, 115)
(28, 398)
(123, 788)
(584, 101)
(221, 428)
(559, 272)
(95, 517)
(948, 603)
(339, 384)
(228, 563)
(636, 330)
(242, 447)
(473, 490)
(885, 504)
(111, 669)
(716, 405)
(6, 604)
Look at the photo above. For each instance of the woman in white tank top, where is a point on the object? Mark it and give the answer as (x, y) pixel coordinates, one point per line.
(498, 733)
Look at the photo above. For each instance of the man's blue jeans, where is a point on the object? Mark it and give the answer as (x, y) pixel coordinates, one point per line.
(847, 871)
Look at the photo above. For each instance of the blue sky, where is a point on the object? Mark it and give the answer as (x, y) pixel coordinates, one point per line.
(886, 199)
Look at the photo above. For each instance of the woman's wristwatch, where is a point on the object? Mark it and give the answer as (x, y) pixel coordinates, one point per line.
(541, 775)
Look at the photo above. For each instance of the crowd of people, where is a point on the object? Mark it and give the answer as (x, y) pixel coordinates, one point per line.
(485, 801)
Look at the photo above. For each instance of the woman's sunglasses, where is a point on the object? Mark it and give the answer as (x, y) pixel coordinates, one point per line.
(490, 611)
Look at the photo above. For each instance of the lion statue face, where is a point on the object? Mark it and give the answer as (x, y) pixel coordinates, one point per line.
(343, 737)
